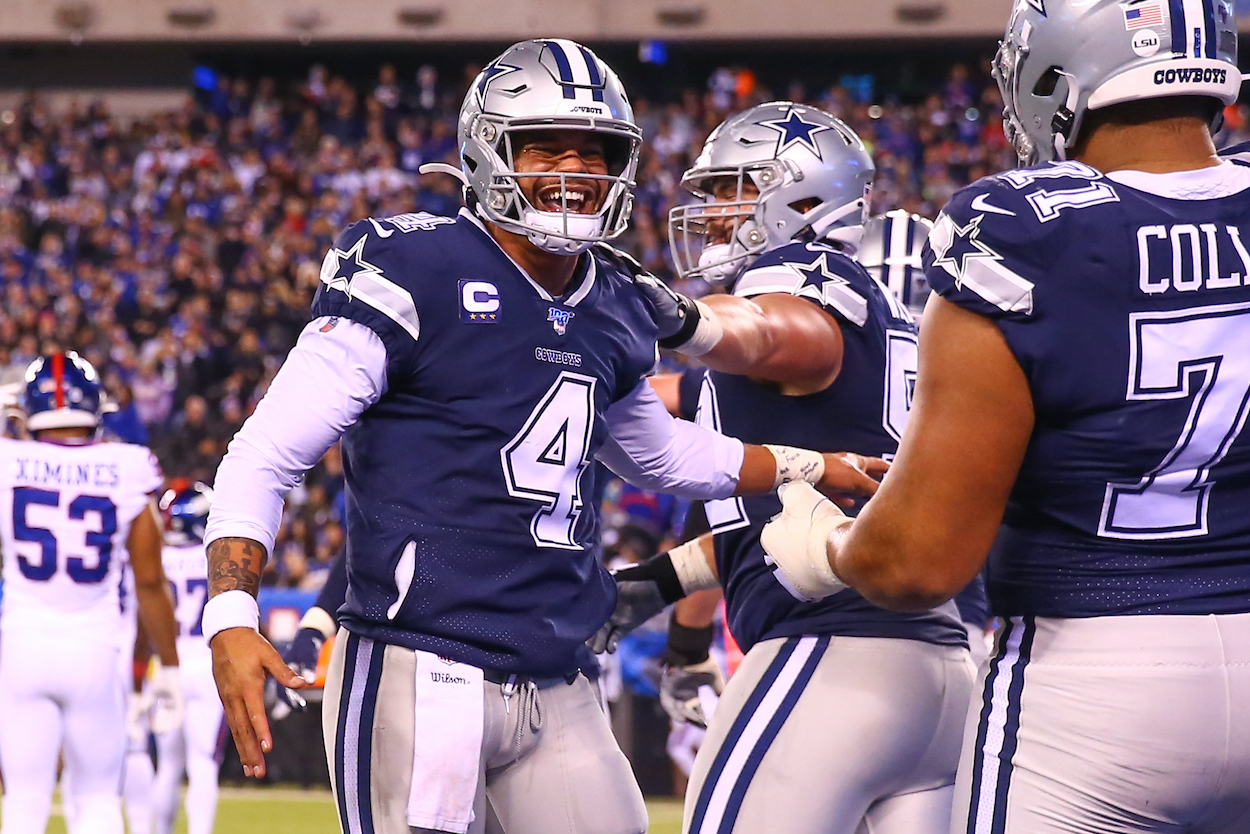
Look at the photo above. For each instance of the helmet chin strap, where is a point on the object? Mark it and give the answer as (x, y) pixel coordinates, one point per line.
(1064, 121)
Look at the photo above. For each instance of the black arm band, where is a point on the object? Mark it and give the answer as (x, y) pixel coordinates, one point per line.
(686, 646)
(689, 324)
(658, 570)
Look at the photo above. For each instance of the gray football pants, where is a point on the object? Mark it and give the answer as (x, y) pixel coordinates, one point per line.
(833, 735)
(1111, 725)
(550, 764)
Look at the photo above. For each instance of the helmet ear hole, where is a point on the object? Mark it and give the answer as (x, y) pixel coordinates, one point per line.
(1046, 82)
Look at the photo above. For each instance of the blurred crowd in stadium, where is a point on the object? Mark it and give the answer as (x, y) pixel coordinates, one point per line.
(179, 253)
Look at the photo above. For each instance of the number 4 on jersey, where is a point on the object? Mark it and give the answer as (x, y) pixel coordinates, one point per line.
(546, 459)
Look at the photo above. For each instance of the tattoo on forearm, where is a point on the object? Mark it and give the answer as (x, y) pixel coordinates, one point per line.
(235, 565)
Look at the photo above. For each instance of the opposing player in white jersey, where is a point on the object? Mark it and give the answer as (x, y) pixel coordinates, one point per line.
(72, 511)
(1079, 426)
(192, 747)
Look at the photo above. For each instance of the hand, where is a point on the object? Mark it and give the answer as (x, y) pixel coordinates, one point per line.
(302, 656)
(636, 602)
(137, 717)
(849, 476)
(241, 657)
(676, 316)
(679, 690)
(796, 542)
(164, 694)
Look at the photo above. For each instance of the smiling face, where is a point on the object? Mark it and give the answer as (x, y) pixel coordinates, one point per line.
(545, 155)
(728, 206)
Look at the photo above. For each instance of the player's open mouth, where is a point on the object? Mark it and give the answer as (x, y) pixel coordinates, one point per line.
(578, 199)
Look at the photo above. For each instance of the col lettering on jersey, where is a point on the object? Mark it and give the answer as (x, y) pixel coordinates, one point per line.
(470, 531)
(863, 411)
(1129, 313)
(65, 516)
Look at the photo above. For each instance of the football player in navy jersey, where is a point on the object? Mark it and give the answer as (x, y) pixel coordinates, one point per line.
(1080, 419)
(474, 367)
(781, 192)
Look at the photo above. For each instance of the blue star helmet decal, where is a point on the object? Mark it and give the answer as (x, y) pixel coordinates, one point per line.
(1039, 5)
(794, 131)
(493, 71)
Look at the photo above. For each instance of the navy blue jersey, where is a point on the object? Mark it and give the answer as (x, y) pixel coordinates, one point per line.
(469, 532)
(1130, 316)
(863, 411)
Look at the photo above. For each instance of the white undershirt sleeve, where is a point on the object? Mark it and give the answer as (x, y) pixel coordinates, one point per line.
(328, 379)
(651, 449)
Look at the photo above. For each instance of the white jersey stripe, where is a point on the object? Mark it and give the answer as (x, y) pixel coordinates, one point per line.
(745, 744)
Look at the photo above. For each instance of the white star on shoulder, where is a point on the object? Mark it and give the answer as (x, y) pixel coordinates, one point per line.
(340, 268)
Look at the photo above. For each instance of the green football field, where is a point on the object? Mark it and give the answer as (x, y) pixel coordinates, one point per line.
(279, 811)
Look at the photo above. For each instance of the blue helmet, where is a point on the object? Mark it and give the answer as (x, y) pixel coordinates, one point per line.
(184, 507)
(62, 392)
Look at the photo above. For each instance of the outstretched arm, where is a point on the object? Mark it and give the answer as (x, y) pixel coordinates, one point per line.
(928, 530)
(651, 449)
(776, 337)
(327, 381)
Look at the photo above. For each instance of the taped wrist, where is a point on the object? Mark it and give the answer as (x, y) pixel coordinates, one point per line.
(232, 609)
(796, 465)
(700, 331)
(319, 619)
(692, 568)
(686, 646)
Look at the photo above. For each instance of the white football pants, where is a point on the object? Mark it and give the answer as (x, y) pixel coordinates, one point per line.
(1111, 725)
(549, 764)
(192, 749)
(61, 694)
(833, 735)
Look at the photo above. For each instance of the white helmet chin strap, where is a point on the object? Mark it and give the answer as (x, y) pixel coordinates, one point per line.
(549, 229)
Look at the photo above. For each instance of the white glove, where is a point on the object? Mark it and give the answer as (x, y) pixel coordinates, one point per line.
(137, 715)
(796, 541)
(166, 693)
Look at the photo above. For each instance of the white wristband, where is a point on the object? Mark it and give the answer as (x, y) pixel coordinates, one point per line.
(691, 566)
(320, 619)
(707, 334)
(232, 609)
(796, 465)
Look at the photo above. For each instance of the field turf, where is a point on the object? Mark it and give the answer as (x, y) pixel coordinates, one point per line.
(281, 811)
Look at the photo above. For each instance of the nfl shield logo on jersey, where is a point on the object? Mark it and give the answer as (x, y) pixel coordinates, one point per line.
(559, 319)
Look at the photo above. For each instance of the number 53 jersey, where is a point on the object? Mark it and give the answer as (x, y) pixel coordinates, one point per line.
(65, 516)
(1126, 301)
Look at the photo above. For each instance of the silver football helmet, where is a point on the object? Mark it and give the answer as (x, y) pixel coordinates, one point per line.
(813, 174)
(890, 251)
(548, 85)
(1060, 58)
